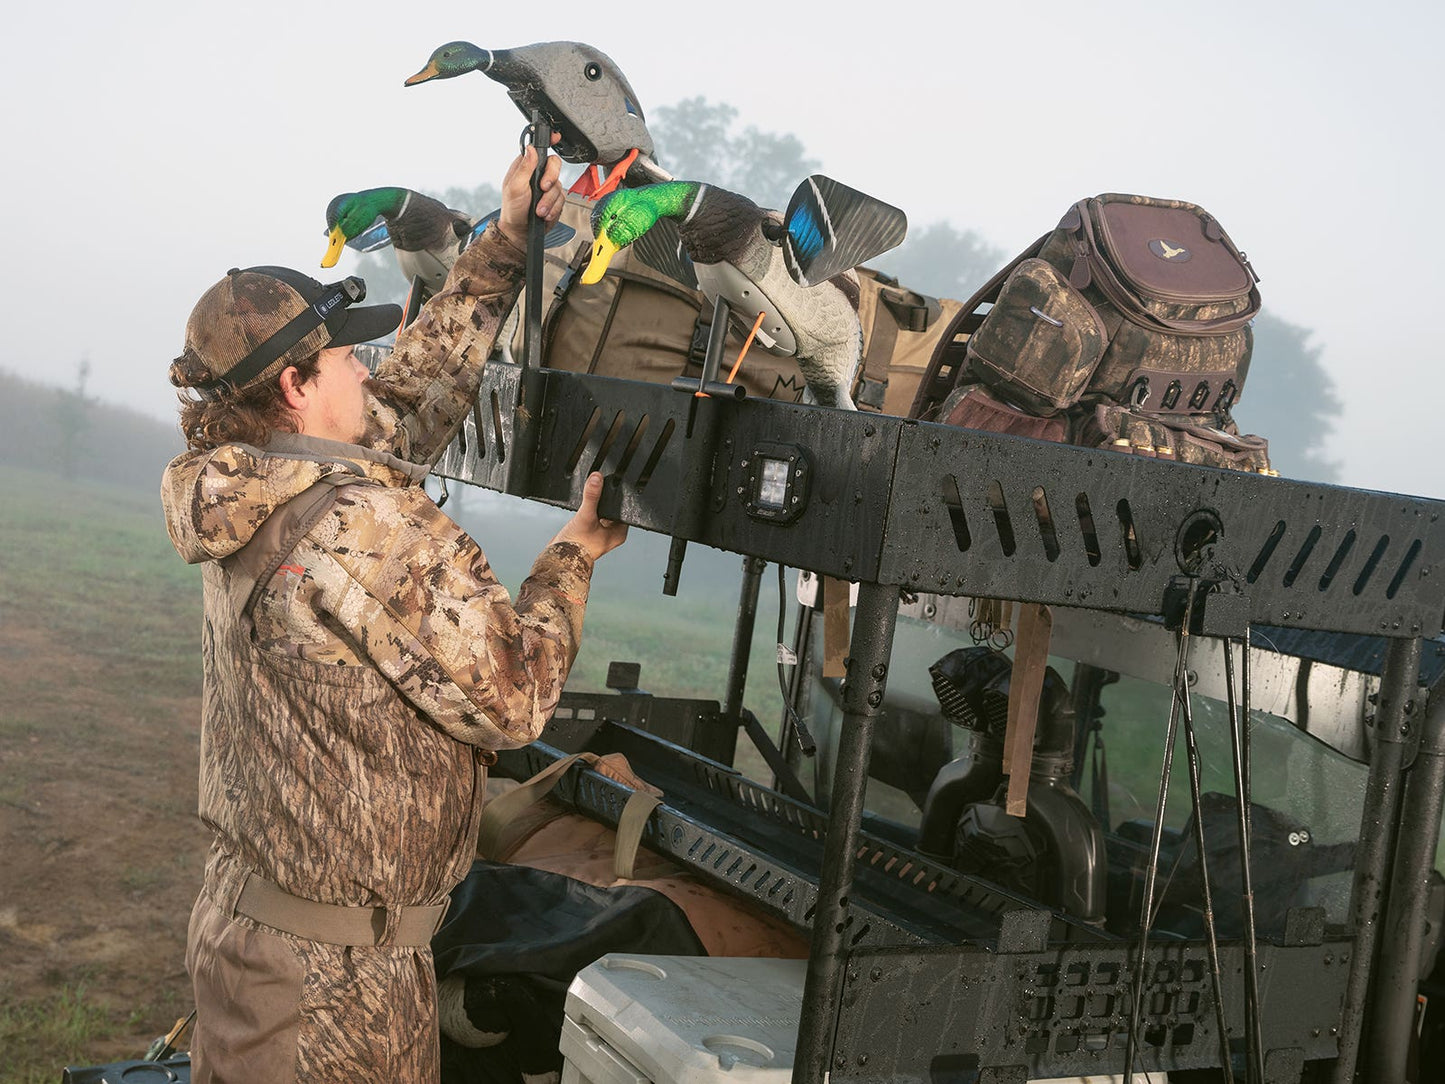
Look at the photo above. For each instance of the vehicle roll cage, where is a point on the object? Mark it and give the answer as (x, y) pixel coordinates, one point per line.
(902, 507)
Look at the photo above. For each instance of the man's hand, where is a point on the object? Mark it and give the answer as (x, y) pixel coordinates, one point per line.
(517, 193)
(596, 536)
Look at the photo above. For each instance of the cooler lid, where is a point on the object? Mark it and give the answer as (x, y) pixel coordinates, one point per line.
(685, 1019)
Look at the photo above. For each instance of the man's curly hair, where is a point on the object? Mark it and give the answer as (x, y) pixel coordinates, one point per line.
(247, 416)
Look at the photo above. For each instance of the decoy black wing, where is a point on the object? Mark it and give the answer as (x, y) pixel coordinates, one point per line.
(661, 249)
(830, 228)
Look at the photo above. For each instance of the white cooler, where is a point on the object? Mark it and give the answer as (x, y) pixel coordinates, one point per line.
(695, 1020)
(682, 1020)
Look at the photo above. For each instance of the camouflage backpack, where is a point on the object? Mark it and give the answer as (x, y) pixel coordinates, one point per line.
(1125, 327)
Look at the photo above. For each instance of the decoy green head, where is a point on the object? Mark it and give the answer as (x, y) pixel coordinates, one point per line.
(450, 60)
(352, 212)
(627, 214)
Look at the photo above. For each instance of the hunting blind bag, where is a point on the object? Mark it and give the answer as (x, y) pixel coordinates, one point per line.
(640, 324)
(1127, 326)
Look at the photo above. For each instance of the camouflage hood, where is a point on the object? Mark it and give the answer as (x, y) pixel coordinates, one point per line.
(216, 500)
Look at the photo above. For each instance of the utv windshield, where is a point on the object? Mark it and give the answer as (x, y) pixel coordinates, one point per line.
(937, 786)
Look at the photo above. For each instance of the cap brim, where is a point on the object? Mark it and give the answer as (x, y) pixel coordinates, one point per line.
(365, 323)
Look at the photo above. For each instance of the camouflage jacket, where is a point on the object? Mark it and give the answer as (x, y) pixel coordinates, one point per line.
(347, 718)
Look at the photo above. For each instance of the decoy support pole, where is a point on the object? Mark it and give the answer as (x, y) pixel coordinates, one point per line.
(1369, 895)
(701, 438)
(416, 296)
(743, 635)
(869, 651)
(536, 243)
(529, 392)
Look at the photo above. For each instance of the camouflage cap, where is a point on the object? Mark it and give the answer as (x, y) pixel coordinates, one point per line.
(255, 322)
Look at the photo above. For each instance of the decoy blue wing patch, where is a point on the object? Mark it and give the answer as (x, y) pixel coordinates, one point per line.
(483, 222)
(372, 238)
(831, 228)
(661, 249)
(558, 235)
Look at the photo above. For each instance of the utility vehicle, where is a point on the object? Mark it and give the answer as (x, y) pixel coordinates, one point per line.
(1283, 635)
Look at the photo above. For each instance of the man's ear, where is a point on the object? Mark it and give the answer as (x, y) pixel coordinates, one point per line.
(293, 389)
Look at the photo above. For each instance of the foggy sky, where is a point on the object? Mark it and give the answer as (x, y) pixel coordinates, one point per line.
(149, 147)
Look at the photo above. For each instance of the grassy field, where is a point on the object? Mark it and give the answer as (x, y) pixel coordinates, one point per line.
(100, 848)
(96, 561)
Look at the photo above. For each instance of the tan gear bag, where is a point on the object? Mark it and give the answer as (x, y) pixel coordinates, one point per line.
(639, 324)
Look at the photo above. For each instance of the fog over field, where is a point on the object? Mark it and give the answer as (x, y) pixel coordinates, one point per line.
(151, 146)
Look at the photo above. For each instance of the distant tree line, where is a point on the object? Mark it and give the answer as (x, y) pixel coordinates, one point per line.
(69, 433)
(1290, 399)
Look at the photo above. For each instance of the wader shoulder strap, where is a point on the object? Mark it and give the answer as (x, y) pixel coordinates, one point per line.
(630, 827)
(259, 558)
(511, 818)
(506, 822)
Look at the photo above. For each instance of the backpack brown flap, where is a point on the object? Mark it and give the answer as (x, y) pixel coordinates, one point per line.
(1164, 264)
(1166, 251)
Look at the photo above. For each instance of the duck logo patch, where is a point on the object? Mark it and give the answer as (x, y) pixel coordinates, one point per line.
(1172, 253)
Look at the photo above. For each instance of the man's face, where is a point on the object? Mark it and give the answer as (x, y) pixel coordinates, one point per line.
(340, 409)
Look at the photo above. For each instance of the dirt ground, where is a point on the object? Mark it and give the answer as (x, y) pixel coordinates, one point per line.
(100, 856)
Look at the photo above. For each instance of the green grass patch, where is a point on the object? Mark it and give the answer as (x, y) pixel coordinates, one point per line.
(71, 1021)
(95, 561)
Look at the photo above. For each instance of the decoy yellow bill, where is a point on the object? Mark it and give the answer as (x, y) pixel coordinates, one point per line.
(602, 252)
(429, 72)
(336, 240)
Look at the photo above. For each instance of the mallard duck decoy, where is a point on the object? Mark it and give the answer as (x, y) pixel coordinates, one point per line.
(426, 233)
(580, 93)
(795, 269)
